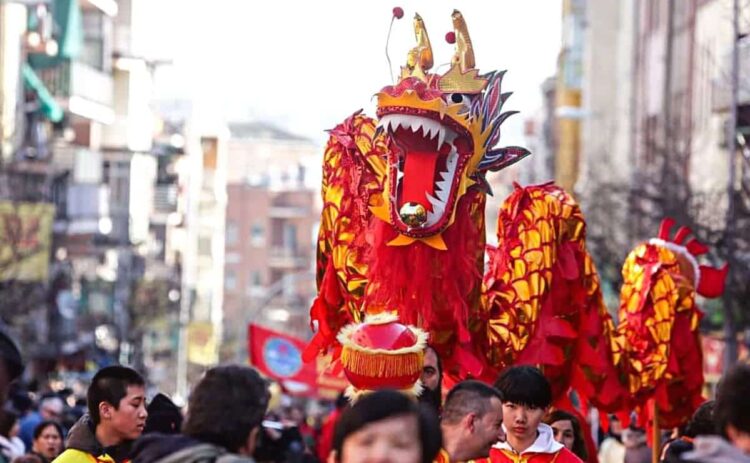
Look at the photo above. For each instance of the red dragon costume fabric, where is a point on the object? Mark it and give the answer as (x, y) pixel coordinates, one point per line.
(401, 253)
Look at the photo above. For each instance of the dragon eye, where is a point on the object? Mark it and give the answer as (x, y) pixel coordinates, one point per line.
(459, 98)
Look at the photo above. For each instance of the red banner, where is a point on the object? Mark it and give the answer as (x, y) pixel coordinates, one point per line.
(713, 356)
(279, 356)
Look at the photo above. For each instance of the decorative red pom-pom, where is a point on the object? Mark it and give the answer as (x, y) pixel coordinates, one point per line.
(450, 37)
(386, 336)
(398, 12)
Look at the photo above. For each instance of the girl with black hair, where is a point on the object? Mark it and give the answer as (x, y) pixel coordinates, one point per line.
(526, 396)
(567, 430)
(48, 441)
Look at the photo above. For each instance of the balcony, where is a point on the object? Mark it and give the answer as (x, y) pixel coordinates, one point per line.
(133, 123)
(165, 198)
(82, 89)
(721, 91)
(288, 212)
(85, 210)
(286, 258)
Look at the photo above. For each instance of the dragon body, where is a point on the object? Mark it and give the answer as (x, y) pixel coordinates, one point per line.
(402, 231)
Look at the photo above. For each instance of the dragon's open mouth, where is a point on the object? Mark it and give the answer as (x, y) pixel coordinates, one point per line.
(427, 157)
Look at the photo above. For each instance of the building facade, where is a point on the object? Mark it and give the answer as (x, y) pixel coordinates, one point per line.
(271, 227)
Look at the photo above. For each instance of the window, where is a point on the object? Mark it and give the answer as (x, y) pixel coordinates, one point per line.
(230, 280)
(290, 237)
(232, 233)
(257, 235)
(255, 284)
(94, 23)
(204, 245)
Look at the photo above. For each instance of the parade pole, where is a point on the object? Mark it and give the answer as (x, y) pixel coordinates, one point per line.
(730, 335)
(655, 435)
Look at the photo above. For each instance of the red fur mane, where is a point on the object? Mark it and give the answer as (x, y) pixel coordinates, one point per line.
(429, 288)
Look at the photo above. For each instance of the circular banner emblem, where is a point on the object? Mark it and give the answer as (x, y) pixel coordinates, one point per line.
(282, 357)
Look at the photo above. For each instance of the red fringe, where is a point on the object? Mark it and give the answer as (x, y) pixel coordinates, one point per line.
(429, 288)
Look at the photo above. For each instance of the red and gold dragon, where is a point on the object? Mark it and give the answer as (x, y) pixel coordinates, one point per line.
(402, 236)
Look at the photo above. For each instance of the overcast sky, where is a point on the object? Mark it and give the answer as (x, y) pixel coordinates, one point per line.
(308, 64)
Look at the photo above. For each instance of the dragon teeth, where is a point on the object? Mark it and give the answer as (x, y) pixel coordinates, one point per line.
(430, 128)
(452, 160)
(415, 126)
(437, 203)
(442, 189)
(441, 136)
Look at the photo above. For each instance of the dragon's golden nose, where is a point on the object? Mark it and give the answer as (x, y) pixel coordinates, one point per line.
(413, 214)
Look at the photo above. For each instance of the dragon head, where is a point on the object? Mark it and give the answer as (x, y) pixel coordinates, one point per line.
(442, 129)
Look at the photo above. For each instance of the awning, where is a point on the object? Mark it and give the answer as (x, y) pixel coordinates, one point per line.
(50, 108)
(68, 27)
(67, 14)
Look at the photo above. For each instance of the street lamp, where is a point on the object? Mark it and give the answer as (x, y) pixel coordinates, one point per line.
(279, 314)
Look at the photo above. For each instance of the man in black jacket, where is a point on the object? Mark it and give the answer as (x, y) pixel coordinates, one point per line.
(226, 410)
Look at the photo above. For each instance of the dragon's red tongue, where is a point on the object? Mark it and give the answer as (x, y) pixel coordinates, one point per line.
(419, 173)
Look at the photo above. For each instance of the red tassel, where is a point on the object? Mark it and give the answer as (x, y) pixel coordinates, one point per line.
(712, 280)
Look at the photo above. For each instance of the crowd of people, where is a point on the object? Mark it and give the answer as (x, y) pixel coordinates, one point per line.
(228, 421)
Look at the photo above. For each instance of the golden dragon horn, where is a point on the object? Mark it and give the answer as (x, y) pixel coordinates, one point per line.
(464, 51)
(422, 53)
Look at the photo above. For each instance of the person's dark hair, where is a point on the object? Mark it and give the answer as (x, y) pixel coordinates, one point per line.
(434, 397)
(39, 429)
(7, 419)
(524, 385)
(384, 404)
(110, 384)
(702, 421)
(733, 400)
(21, 402)
(431, 398)
(28, 458)
(610, 432)
(468, 397)
(226, 405)
(700, 424)
(163, 416)
(341, 401)
(579, 445)
(10, 354)
(439, 361)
